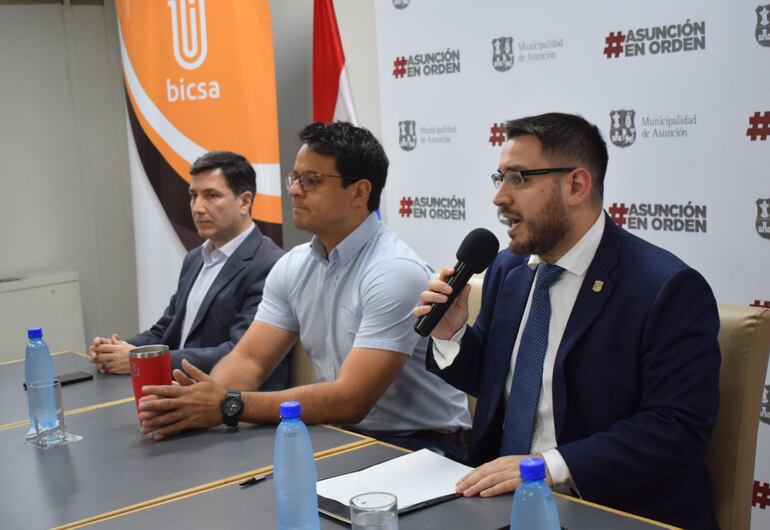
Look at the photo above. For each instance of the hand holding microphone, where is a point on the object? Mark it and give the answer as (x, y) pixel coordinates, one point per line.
(476, 252)
(437, 292)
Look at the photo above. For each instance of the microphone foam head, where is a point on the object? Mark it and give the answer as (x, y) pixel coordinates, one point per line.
(478, 249)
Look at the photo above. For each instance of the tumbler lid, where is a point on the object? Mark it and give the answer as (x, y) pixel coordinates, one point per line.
(34, 333)
(149, 351)
(290, 409)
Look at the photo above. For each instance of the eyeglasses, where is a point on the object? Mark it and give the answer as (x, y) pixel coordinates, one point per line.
(519, 178)
(307, 180)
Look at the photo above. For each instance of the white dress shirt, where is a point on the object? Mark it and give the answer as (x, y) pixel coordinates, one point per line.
(563, 294)
(213, 261)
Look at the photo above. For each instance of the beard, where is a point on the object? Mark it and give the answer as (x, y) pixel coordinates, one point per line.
(546, 229)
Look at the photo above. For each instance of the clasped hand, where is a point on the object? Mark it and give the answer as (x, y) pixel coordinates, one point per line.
(192, 403)
(111, 355)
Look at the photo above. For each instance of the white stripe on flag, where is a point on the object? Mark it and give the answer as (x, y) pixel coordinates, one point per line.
(344, 109)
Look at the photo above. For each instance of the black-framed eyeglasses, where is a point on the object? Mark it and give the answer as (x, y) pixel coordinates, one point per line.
(308, 180)
(519, 178)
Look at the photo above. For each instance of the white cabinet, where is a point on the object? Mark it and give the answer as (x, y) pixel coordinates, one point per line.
(51, 301)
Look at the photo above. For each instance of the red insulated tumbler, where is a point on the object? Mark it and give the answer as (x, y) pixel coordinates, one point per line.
(150, 365)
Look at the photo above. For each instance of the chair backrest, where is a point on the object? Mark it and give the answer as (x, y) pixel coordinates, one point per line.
(474, 301)
(744, 339)
(474, 306)
(301, 372)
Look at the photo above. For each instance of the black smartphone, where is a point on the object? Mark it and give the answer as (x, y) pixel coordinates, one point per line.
(72, 377)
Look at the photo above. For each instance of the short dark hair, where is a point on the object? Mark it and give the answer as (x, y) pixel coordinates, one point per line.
(357, 154)
(239, 174)
(569, 139)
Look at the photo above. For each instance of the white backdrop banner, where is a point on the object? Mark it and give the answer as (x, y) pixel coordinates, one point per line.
(681, 92)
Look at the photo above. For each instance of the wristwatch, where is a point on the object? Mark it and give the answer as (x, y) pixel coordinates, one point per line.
(231, 408)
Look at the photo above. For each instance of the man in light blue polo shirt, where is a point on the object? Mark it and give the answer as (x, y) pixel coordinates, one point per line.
(347, 295)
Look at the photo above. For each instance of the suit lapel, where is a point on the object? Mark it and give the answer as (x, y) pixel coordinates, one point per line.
(173, 333)
(234, 264)
(187, 283)
(594, 293)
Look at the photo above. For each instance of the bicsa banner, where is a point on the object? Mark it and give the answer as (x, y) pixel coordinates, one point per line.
(199, 76)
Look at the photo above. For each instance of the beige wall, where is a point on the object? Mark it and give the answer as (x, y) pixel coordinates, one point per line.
(63, 167)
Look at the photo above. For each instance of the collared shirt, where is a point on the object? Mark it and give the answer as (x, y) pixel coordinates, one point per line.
(213, 261)
(563, 294)
(361, 296)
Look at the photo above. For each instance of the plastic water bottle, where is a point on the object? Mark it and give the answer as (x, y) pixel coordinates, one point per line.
(38, 368)
(294, 473)
(533, 503)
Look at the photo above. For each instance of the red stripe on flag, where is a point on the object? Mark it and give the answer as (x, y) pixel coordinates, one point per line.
(328, 60)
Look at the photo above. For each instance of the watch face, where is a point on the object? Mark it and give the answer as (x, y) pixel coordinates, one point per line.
(231, 406)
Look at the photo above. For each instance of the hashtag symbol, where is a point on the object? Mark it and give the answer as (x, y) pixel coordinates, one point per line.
(759, 126)
(759, 303)
(406, 207)
(614, 44)
(399, 67)
(497, 134)
(618, 213)
(761, 496)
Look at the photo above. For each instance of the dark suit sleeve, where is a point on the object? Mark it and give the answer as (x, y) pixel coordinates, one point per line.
(466, 370)
(679, 375)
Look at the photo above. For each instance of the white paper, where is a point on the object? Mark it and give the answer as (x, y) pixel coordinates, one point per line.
(413, 478)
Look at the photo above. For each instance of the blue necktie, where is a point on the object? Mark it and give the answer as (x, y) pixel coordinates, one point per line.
(528, 374)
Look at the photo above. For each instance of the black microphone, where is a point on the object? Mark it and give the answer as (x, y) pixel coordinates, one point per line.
(476, 252)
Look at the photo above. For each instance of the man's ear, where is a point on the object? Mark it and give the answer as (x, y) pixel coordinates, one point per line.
(363, 189)
(578, 186)
(247, 199)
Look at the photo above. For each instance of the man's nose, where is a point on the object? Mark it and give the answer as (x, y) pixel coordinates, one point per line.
(501, 197)
(196, 204)
(296, 189)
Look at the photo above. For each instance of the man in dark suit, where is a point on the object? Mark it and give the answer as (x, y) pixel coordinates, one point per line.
(593, 348)
(221, 282)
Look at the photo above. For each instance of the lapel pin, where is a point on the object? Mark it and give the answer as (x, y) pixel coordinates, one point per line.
(598, 284)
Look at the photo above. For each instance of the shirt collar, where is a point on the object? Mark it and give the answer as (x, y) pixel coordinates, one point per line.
(212, 256)
(349, 247)
(579, 257)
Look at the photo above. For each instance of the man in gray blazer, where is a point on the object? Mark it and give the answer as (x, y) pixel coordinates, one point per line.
(221, 282)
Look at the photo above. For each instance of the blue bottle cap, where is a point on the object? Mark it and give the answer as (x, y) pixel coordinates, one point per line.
(290, 409)
(34, 333)
(532, 468)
